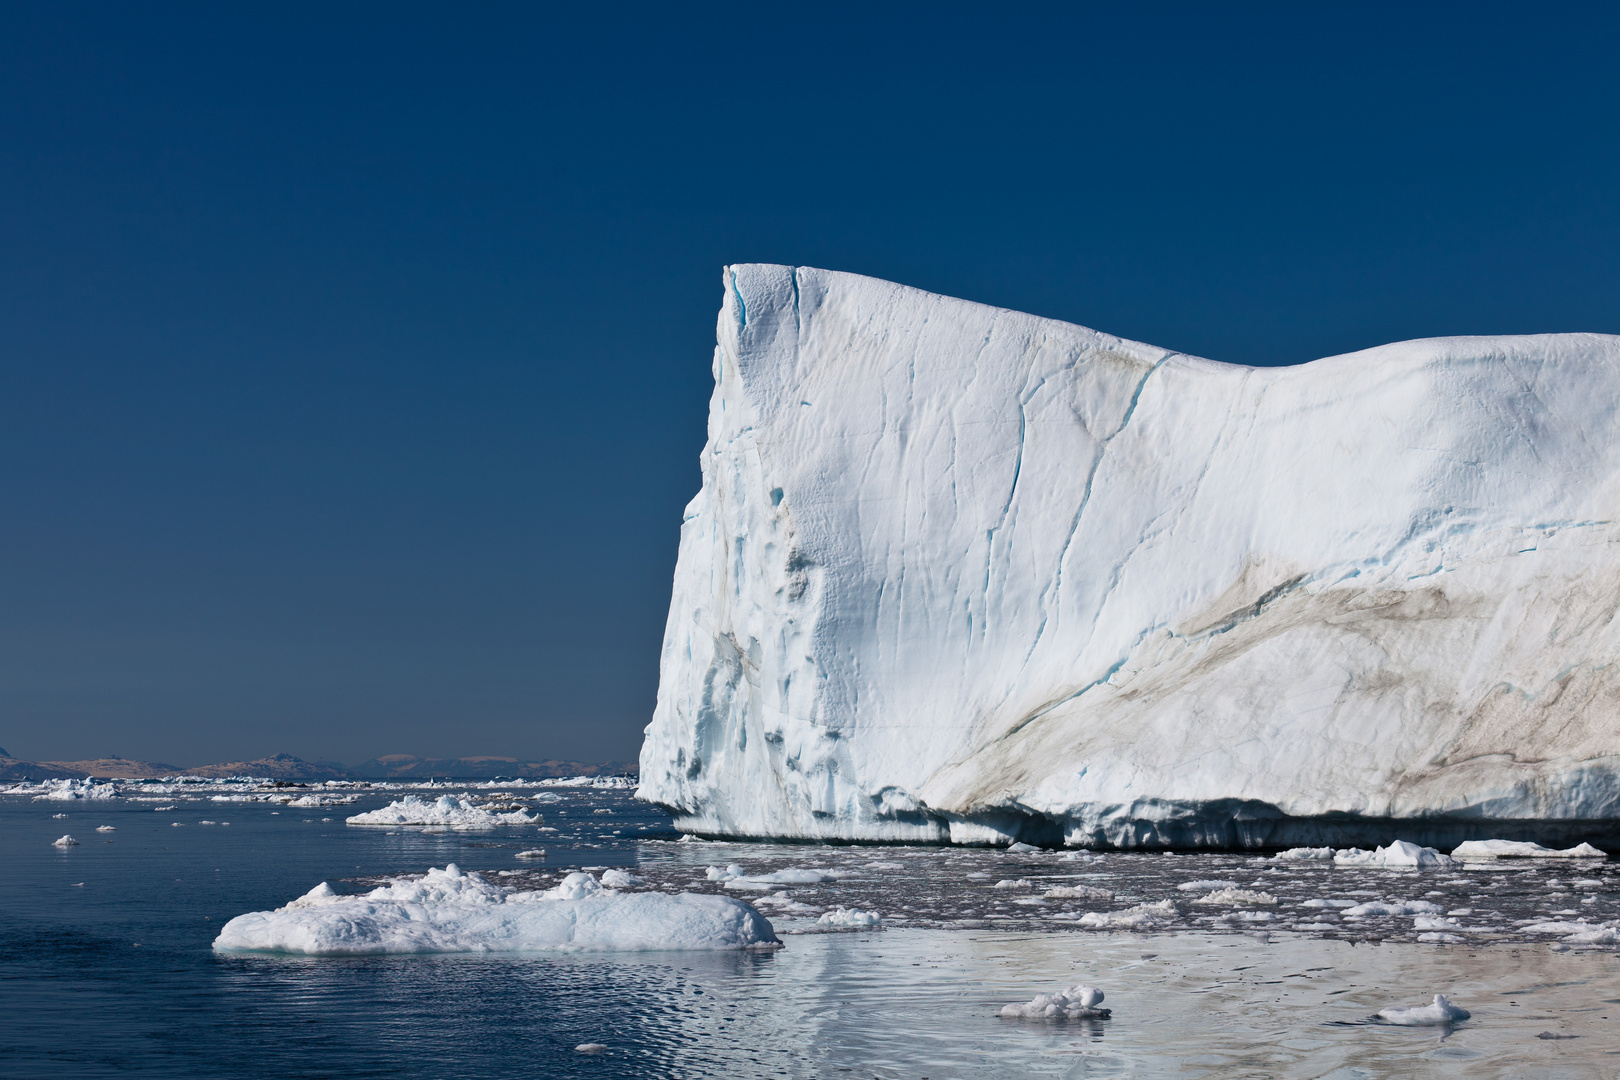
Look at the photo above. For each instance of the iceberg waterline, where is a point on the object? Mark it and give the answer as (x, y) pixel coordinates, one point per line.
(959, 574)
(449, 911)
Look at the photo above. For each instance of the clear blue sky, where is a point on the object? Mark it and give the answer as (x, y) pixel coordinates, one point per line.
(354, 358)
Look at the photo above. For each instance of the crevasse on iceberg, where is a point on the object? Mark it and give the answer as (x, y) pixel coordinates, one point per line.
(958, 573)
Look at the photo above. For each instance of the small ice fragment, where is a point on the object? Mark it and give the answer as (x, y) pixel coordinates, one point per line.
(1078, 892)
(1329, 903)
(590, 1048)
(616, 878)
(1441, 1011)
(532, 853)
(1236, 896)
(1399, 907)
(1012, 883)
(1205, 886)
(58, 815)
(106, 828)
(174, 824)
(1074, 1003)
(1020, 847)
(849, 917)
(65, 841)
(1306, 854)
(1440, 937)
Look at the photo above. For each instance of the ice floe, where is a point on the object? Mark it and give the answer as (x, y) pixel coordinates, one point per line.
(65, 841)
(456, 812)
(1074, 1003)
(1399, 855)
(69, 790)
(1205, 886)
(1441, 1011)
(1234, 896)
(1521, 849)
(106, 828)
(1306, 854)
(1139, 917)
(448, 911)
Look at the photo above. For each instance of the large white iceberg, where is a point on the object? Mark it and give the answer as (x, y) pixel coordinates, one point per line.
(959, 573)
(449, 911)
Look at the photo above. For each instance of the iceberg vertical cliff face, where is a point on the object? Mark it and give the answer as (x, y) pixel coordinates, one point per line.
(962, 574)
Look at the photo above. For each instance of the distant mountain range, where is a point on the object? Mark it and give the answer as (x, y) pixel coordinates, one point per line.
(287, 767)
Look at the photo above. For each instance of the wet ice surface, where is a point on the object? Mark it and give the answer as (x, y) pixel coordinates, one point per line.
(109, 942)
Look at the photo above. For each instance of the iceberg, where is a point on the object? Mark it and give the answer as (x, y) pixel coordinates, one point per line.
(450, 911)
(456, 812)
(958, 574)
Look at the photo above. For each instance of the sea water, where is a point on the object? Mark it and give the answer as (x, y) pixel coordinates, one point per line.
(107, 966)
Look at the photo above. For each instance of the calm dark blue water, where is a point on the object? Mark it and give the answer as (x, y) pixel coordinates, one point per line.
(106, 968)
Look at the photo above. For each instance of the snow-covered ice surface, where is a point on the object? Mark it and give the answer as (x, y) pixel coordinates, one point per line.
(959, 573)
(1521, 849)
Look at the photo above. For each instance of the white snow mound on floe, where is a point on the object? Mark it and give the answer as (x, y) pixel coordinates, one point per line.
(1139, 917)
(64, 841)
(1521, 849)
(960, 573)
(1075, 1003)
(448, 911)
(457, 812)
(1440, 1011)
(1306, 854)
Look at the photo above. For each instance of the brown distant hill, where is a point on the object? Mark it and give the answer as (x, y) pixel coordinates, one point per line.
(483, 767)
(276, 767)
(115, 767)
(17, 769)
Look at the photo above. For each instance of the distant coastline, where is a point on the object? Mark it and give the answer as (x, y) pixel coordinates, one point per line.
(287, 767)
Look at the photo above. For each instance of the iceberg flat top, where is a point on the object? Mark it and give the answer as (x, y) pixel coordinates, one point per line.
(961, 573)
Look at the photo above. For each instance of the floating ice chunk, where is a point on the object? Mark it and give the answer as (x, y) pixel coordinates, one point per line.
(1078, 892)
(1022, 847)
(54, 816)
(65, 841)
(590, 1048)
(1400, 854)
(620, 879)
(1399, 907)
(1236, 896)
(1601, 935)
(1132, 918)
(1440, 937)
(532, 853)
(1205, 886)
(71, 790)
(1306, 854)
(448, 911)
(1435, 922)
(734, 876)
(1521, 849)
(106, 828)
(1012, 883)
(1329, 903)
(849, 917)
(1441, 1011)
(457, 812)
(1074, 1003)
